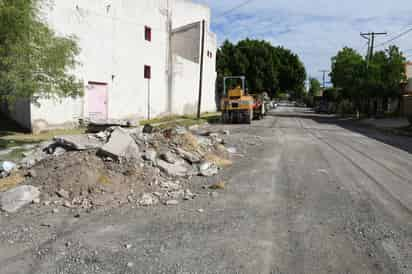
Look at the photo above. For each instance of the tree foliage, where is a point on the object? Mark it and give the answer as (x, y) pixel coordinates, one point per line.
(34, 62)
(267, 68)
(314, 87)
(379, 77)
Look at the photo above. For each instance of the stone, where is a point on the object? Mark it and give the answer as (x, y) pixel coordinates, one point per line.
(128, 246)
(14, 199)
(226, 132)
(77, 142)
(180, 130)
(188, 195)
(172, 202)
(121, 145)
(46, 203)
(232, 150)
(55, 210)
(170, 185)
(147, 200)
(148, 129)
(95, 126)
(130, 264)
(150, 155)
(63, 194)
(7, 166)
(59, 151)
(188, 156)
(200, 210)
(174, 170)
(219, 185)
(176, 194)
(168, 157)
(31, 173)
(36, 201)
(208, 169)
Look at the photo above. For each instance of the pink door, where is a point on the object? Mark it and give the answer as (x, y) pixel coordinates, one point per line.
(97, 100)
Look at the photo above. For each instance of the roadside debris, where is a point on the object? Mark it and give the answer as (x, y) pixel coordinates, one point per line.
(12, 200)
(144, 166)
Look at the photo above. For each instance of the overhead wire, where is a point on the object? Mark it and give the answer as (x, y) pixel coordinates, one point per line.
(396, 37)
(244, 3)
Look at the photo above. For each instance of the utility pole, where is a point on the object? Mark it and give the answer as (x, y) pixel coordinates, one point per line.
(202, 53)
(324, 77)
(370, 36)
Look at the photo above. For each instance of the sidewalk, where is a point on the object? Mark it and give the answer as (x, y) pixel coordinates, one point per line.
(397, 126)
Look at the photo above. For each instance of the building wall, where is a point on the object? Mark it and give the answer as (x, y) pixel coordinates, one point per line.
(114, 51)
(409, 76)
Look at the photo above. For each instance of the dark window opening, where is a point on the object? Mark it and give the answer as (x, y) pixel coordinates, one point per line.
(147, 72)
(147, 34)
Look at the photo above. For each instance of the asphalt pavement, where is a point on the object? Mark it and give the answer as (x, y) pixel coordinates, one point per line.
(307, 194)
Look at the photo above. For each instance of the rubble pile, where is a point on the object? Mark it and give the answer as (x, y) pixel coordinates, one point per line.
(139, 166)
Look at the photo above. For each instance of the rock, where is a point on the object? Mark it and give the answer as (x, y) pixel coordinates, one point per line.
(168, 157)
(128, 246)
(200, 210)
(59, 151)
(219, 185)
(96, 126)
(150, 155)
(226, 132)
(36, 201)
(180, 130)
(174, 170)
(190, 157)
(130, 264)
(7, 166)
(172, 202)
(121, 145)
(68, 204)
(63, 194)
(148, 129)
(176, 194)
(31, 173)
(214, 194)
(208, 169)
(232, 150)
(14, 199)
(188, 195)
(147, 200)
(170, 185)
(55, 210)
(77, 142)
(46, 203)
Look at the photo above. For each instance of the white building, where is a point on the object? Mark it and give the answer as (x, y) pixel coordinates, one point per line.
(122, 42)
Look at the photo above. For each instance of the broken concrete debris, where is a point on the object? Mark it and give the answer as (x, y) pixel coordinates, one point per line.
(14, 199)
(108, 168)
(78, 142)
(121, 146)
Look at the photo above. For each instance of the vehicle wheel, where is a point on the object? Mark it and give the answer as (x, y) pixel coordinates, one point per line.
(249, 117)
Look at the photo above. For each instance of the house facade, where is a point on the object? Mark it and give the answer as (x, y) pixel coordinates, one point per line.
(139, 59)
(406, 102)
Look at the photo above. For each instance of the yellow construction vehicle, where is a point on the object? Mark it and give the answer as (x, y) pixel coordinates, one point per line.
(236, 105)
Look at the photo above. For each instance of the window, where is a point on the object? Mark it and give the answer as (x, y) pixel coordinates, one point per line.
(147, 72)
(147, 33)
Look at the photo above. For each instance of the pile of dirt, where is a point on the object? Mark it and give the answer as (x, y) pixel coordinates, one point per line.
(119, 166)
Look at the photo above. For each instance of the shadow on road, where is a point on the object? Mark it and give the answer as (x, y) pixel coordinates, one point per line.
(401, 142)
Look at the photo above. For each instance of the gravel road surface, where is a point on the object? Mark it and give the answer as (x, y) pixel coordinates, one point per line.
(306, 194)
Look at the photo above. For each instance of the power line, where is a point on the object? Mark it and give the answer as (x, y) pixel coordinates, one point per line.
(395, 37)
(370, 36)
(236, 7)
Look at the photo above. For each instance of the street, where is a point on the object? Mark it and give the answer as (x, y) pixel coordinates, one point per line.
(312, 194)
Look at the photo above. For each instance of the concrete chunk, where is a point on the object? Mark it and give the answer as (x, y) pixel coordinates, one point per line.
(121, 145)
(77, 142)
(176, 170)
(14, 199)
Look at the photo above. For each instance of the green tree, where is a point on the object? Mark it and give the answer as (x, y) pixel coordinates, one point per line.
(348, 73)
(34, 62)
(266, 68)
(314, 87)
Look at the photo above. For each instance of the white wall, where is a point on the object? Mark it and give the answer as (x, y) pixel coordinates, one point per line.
(113, 51)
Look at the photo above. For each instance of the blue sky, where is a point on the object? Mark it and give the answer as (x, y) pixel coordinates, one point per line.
(314, 29)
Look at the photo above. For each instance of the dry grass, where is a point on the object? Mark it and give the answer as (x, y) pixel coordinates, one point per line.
(10, 182)
(217, 160)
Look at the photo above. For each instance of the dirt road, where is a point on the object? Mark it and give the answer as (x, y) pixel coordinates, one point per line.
(313, 194)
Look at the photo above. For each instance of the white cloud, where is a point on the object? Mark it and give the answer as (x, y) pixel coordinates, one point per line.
(314, 29)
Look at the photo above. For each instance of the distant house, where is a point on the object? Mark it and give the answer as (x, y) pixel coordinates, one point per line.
(139, 58)
(406, 102)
